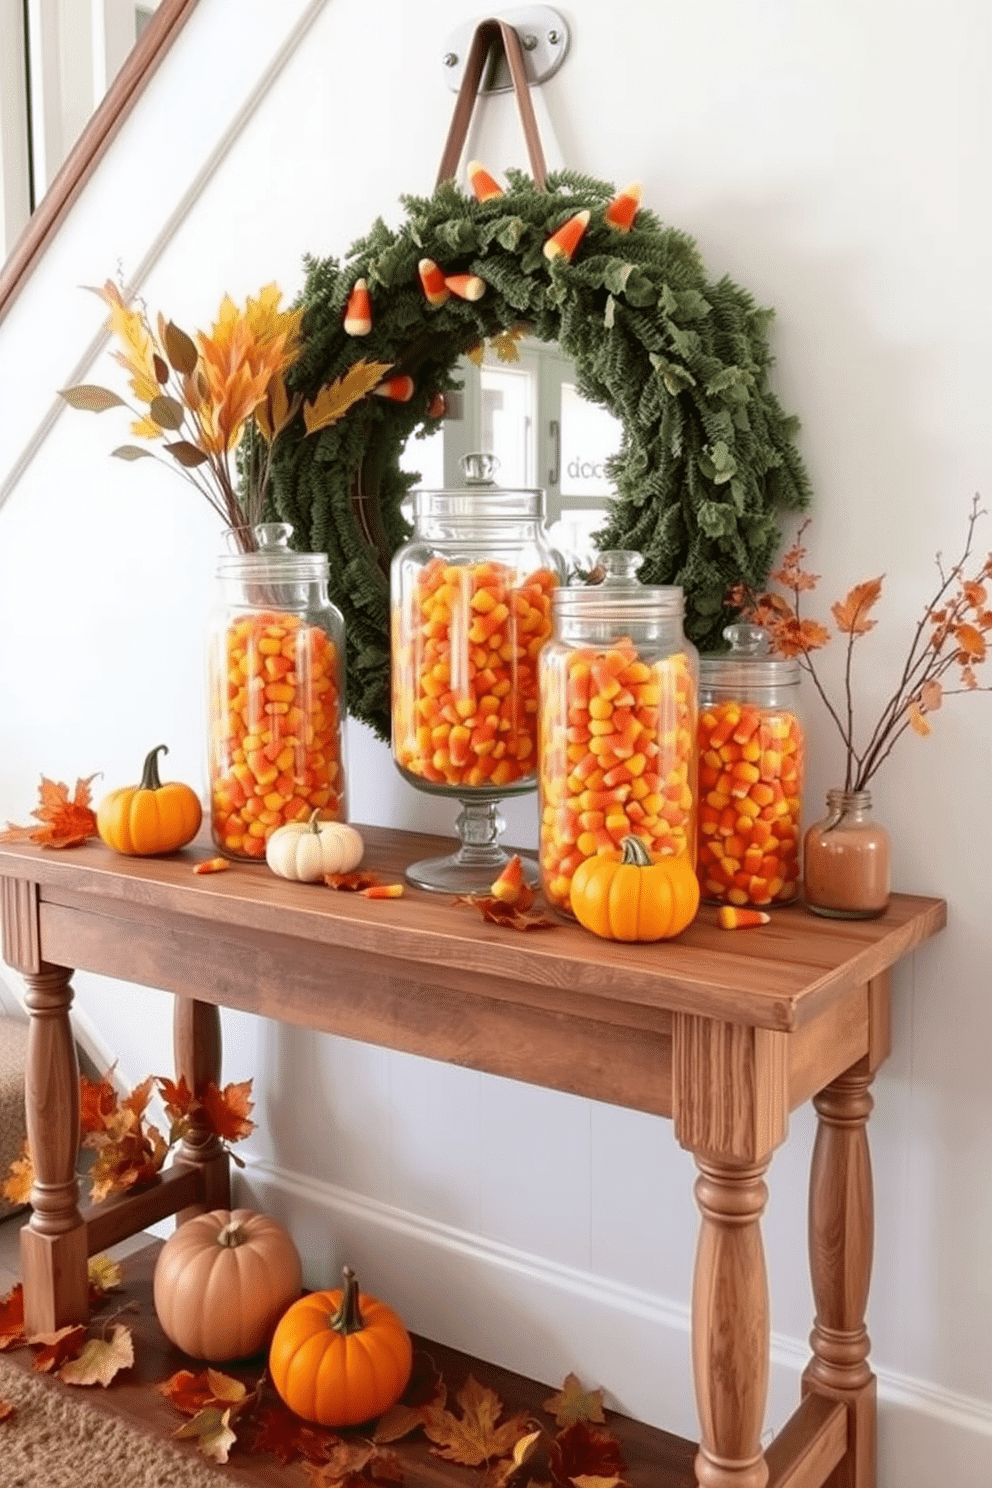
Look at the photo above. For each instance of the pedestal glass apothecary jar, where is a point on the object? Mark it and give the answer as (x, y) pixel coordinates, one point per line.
(751, 746)
(276, 692)
(618, 724)
(471, 609)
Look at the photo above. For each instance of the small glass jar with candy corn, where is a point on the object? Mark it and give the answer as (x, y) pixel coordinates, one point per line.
(276, 694)
(750, 773)
(618, 684)
(471, 610)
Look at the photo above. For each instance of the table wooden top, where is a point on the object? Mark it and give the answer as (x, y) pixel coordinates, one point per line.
(778, 976)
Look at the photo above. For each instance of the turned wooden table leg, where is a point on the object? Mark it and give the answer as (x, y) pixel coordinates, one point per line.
(53, 1242)
(731, 1328)
(197, 1047)
(841, 1233)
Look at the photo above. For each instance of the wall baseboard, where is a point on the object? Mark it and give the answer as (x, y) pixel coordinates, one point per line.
(544, 1319)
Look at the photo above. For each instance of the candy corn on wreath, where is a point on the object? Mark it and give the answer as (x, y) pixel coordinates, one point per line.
(708, 458)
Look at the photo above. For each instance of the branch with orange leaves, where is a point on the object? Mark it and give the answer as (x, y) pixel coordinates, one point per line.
(951, 633)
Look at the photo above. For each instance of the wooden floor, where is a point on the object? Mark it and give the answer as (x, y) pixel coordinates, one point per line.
(654, 1459)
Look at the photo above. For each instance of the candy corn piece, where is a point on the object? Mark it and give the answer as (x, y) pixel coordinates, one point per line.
(211, 865)
(358, 311)
(563, 242)
(433, 281)
(466, 286)
(398, 389)
(623, 208)
(729, 917)
(511, 887)
(481, 182)
(383, 891)
(438, 406)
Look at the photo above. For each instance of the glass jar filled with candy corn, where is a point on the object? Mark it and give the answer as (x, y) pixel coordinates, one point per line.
(618, 687)
(276, 694)
(471, 610)
(750, 773)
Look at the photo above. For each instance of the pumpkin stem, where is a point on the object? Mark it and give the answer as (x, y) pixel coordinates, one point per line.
(231, 1236)
(634, 852)
(149, 775)
(313, 825)
(348, 1318)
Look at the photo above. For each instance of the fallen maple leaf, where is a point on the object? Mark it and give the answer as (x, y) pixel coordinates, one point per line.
(352, 883)
(65, 822)
(101, 1359)
(509, 916)
(6, 1410)
(474, 1437)
(572, 1403)
(104, 1274)
(12, 1318)
(501, 1474)
(18, 1185)
(353, 1463)
(580, 1450)
(279, 1431)
(210, 1428)
(56, 1348)
(227, 1110)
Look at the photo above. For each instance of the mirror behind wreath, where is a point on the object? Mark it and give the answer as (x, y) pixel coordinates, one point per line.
(530, 414)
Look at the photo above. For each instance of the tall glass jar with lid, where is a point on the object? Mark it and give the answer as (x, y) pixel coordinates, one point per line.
(618, 724)
(276, 694)
(751, 747)
(471, 610)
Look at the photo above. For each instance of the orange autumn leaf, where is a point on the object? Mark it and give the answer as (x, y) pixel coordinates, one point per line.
(583, 1451)
(476, 1435)
(56, 1348)
(573, 1403)
(12, 1318)
(851, 613)
(227, 1110)
(334, 399)
(101, 1359)
(97, 1103)
(65, 822)
(508, 916)
(917, 721)
(189, 1392)
(352, 883)
(20, 1181)
(176, 1096)
(281, 1433)
(971, 643)
(350, 1464)
(504, 1474)
(931, 695)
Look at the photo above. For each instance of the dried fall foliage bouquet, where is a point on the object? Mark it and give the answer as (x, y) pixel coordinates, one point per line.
(218, 401)
(949, 637)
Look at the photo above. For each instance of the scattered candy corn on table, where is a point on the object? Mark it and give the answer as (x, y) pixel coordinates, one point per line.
(725, 1034)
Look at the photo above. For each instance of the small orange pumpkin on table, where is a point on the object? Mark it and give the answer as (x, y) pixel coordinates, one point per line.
(142, 820)
(338, 1358)
(638, 896)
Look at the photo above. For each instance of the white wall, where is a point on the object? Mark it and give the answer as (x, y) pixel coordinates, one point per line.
(831, 157)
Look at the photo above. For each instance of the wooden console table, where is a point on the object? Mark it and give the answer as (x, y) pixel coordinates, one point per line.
(723, 1033)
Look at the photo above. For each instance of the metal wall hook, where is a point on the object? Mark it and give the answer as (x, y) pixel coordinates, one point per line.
(544, 39)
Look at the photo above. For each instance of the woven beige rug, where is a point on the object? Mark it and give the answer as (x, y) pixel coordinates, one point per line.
(54, 1442)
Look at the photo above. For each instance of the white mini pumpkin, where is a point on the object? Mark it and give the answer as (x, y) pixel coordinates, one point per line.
(222, 1282)
(305, 851)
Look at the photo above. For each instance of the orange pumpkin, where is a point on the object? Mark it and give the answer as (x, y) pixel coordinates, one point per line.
(223, 1280)
(635, 895)
(141, 820)
(338, 1359)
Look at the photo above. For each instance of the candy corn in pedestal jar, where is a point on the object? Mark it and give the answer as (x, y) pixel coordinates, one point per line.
(618, 684)
(750, 773)
(276, 693)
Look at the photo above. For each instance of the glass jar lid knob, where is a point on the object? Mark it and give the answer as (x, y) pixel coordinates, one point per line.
(616, 568)
(479, 468)
(745, 639)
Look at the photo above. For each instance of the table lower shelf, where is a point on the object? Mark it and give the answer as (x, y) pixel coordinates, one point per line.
(655, 1459)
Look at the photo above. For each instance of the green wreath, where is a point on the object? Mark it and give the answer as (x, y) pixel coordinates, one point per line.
(707, 459)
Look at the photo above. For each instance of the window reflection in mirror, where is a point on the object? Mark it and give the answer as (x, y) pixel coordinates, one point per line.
(60, 57)
(530, 414)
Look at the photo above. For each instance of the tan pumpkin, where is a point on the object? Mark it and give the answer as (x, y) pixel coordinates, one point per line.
(223, 1281)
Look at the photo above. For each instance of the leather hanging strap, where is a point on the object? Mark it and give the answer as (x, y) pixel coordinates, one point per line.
(487, 34)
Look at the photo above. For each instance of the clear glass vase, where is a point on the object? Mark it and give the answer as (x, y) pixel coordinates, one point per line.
(846, 860)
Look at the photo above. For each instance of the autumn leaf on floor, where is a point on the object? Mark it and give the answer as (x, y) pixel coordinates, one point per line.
(12, 1318)
(503, 1474)
(189, 1392)
(6, 1410)
(227, 1110)
(572, 1403)
(20, 1180)
(53, 1349)
(104, 1274)
(509, 916)
(279, 1431)
(352, 883)
(580, 1451)
(64, 822)
(351, 1464)
(474, 1437)
(210, 1428)
(101, 1359)
(426, 1388)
